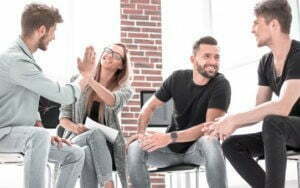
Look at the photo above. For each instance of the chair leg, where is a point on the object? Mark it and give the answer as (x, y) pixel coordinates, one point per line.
(197, 177)
(178, 180)
(49, 176)
(116, 179)
(298, 173)
(170, 180)
(187, 179)
(56, 172)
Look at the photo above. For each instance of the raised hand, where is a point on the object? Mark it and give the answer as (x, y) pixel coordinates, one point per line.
(87, 65)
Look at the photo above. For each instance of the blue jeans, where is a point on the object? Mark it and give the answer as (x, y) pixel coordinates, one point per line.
(35, 144)
(97, 167)
(206, 150)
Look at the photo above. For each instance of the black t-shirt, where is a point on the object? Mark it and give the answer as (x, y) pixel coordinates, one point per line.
(191, 101)
(291, 70)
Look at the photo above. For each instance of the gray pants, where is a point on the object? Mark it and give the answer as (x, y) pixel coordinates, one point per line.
(206, 150)
(97, 167)
(35, 143)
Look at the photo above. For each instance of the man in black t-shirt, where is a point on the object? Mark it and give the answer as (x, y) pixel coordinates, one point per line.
(278, 72)
(199, 95)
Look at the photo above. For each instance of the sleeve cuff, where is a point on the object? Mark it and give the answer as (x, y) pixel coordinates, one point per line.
(38, 116)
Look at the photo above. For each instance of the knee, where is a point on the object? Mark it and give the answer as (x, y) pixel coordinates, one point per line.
(75, 154)
(209, 146)
(271, 122)
(135, 151)
(41, 136)
(97, 135)
(229, 145)
(208, 142)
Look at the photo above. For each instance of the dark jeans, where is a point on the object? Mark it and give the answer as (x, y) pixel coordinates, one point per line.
(278, 135)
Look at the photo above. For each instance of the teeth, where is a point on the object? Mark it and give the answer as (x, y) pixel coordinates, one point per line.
(211, 67)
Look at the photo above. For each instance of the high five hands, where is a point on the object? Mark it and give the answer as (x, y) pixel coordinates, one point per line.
(87, 64)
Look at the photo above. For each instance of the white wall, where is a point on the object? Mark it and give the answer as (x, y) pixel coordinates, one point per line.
(230, 23)
(182, 24)
(86, 22)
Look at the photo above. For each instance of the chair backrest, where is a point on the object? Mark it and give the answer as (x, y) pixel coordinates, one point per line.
(162, 116)
(49, 112)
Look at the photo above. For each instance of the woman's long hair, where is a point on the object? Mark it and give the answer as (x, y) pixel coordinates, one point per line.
(120, 78)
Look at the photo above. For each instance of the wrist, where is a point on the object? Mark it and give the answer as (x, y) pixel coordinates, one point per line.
(141, 132)
(233, 121)
(89, 79)
(173, 136)
(75, 129)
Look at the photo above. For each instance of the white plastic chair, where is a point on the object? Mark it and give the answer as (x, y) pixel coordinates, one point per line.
(18, 159)
(187, 169)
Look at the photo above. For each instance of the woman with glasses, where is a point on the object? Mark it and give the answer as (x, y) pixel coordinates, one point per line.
(107, 92)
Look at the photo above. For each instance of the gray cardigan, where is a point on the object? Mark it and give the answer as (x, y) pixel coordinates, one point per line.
(21, 84)
(77, 111)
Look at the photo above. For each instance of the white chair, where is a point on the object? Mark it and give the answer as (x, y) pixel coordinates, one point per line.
(18, 159)
(187, 169)
(293, 155)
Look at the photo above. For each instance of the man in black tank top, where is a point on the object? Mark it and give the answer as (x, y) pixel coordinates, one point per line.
(199, 95)
(278, 73)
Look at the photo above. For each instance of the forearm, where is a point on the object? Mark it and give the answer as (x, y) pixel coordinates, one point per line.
(259, 113)
(104, 94)
(190, 134)
(144, 119)
(68, 124)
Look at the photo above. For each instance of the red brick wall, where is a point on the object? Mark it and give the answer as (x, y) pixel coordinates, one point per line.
(141, 32)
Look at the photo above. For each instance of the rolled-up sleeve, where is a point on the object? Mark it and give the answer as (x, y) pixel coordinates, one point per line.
(27, 75)
(66, 111)
(38, 116)
(122, 96)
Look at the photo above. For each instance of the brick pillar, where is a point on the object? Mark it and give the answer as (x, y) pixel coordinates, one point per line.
(141, 32)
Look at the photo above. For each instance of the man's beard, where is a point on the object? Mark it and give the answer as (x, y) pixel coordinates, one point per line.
(201, 70)
(42, 44)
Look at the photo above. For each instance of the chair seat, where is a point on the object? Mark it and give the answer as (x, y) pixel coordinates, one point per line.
(293, 155)
(11, 158)
(175, 168)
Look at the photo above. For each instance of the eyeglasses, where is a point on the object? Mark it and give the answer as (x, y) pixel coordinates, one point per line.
(115, 55)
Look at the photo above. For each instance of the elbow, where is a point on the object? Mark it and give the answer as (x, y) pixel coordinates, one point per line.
(68, 101)
(63, 121)
(283, 112)
(64, 99)
(283, 109)
(111, 103)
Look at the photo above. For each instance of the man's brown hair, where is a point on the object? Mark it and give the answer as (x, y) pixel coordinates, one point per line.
(35, 15)
(204, 40)
(275, 9)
